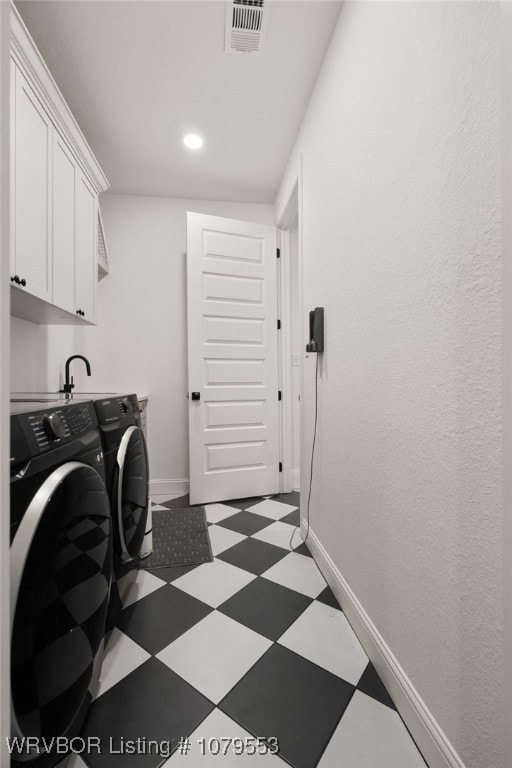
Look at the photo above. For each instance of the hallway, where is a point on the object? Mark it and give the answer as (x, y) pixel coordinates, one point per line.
(252, 644)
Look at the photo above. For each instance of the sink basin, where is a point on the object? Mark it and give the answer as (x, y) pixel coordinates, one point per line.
(48, 397)
(34, 399)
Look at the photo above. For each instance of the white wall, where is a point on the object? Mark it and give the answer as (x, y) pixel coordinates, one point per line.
(506, 134)
(402, 245)
(4, 382)
(140, 343)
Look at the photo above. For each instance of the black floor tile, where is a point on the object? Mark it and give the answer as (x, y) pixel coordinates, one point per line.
(150, 703)
(123, 569)
(246, 522)
(287, 697)
(265, 607)
(172, 572)
(180, 503)
(243, 503)
(371, 684)
(161, 617)
(293, 518)
(303, 549)
(328, 598)
(292, 498)
(253, 555)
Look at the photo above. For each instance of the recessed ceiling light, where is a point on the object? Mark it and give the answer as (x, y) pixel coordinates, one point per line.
(192, 141)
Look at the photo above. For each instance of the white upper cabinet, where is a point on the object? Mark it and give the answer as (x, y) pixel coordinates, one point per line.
(86, 241)
(55, 184)
(74, 236)
(31, 263)
(64, 172)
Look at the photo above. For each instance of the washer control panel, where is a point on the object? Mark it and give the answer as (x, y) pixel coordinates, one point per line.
(81, 417)
(35, 431)
(112, 410)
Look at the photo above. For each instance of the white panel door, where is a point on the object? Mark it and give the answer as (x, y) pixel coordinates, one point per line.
(232, 359)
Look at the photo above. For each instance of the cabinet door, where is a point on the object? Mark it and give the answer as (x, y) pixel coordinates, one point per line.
(32, 190)
(86, 267)
(64, 182)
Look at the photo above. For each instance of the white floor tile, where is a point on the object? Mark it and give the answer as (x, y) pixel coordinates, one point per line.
(323, 635)
(222, 538)
(297, 572)
(122, 656)
(277, 533)
(214, 583)
(137, 584)
(371, 734)
(159, 498)
(215, 654)
(75, 761)
(273, 509)
(217, 512)
(72, 761)
(216, 725)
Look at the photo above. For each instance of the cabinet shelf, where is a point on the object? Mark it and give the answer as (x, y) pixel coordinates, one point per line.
(28, 307)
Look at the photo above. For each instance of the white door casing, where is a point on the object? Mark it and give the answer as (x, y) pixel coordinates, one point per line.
(232, 359)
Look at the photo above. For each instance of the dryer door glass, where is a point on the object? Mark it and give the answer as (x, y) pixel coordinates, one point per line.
(132, 492)
(61, 563)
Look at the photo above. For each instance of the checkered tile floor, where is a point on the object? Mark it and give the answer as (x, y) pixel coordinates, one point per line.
(252, 644)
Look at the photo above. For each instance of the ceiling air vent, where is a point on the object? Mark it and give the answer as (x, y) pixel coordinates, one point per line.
(246, 24)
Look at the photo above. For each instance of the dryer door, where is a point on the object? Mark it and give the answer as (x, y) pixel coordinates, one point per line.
(131, 501)
(61, 564)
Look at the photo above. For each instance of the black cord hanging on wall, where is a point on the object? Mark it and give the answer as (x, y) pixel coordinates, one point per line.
(315, 345)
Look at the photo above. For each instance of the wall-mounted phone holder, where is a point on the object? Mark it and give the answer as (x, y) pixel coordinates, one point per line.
(316, 330)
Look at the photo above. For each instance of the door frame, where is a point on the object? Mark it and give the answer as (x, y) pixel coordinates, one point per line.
(290, 210)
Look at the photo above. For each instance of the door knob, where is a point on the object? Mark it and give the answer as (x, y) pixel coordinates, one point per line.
(196, 395)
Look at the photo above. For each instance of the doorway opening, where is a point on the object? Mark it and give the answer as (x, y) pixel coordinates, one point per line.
(245, 336)
(292, 341)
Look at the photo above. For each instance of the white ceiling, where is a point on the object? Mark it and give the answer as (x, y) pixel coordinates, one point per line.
(138, 74)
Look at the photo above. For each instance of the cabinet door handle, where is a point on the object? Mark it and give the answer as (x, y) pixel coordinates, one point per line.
(23, 282)
(15, 279)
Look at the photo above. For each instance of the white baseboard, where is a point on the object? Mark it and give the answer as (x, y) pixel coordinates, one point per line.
(432, 742)
(295, 479)
(168, 487)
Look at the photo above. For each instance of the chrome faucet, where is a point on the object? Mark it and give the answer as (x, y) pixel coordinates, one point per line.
(69, 384)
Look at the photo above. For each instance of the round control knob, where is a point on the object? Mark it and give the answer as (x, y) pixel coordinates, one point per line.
(54, 426)
(126, 405)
